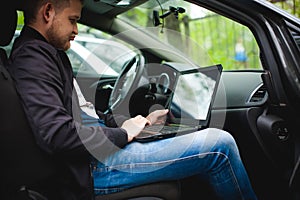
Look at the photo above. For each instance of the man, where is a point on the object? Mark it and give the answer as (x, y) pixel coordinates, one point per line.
(44, 80)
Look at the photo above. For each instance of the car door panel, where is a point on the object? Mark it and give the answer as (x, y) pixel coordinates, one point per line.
(263, 147)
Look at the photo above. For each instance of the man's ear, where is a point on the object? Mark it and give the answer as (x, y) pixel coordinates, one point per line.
(48, 12)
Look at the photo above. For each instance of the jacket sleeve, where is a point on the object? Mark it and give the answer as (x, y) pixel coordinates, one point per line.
(112, 120)
(35, 69)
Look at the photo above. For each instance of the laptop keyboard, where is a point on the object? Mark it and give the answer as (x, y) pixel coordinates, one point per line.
(167, 129)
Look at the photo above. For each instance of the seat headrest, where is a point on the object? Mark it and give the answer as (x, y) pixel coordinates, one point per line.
(8, 23)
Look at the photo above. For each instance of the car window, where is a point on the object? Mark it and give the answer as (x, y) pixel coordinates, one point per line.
(93, 53)
(114, 53)
(205, 37)
(209, 37)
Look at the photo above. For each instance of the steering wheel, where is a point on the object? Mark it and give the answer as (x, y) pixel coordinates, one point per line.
(125, 85)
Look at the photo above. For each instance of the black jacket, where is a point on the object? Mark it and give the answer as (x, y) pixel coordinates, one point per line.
(44, 81)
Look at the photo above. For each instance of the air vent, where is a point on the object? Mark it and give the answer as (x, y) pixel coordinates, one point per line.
(259, 94)
(296, 37)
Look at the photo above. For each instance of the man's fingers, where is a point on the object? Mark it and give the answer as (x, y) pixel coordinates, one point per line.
(142, 120)
(163, 112)
(155, 116)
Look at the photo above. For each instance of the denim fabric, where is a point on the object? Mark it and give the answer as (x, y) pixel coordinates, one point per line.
(87, 120)
(211, 154)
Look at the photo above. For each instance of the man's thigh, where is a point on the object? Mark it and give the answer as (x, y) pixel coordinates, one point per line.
(167, 159)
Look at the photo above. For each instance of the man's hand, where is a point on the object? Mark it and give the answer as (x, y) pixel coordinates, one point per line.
(134, 126)
(157, 116)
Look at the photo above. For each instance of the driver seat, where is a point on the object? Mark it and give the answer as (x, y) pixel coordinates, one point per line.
(22, 162)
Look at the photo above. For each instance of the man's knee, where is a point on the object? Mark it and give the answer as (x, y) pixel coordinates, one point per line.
(224, 141)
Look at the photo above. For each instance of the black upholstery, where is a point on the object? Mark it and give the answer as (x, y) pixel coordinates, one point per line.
(8, 22)
(163, 190)
(22, 162)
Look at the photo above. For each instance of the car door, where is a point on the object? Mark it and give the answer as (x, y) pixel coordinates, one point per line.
(274, 125)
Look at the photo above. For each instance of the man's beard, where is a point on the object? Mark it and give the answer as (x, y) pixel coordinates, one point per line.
(56, 41)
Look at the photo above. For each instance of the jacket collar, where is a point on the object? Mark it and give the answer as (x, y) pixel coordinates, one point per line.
(32, 33)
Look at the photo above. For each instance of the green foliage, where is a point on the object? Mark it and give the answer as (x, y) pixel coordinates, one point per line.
(218, 36)
(291, 6)
(20, 20)
(215, 38)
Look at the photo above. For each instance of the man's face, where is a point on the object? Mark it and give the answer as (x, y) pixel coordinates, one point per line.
(64, 26)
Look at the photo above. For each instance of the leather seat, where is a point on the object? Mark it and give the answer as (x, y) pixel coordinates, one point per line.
(169, 190)
(22, 162)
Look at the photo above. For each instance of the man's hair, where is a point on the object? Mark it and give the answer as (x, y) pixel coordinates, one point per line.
(32, 6)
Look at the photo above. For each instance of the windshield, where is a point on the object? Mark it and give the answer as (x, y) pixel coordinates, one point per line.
(201, 35)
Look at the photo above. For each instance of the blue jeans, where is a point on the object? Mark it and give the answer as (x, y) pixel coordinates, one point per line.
(211, 154)
(91, 121)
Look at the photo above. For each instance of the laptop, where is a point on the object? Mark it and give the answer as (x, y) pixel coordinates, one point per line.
(190, 104)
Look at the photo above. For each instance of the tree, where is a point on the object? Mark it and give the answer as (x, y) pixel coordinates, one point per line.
(291, 6)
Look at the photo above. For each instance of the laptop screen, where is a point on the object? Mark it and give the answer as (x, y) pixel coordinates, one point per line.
(194, 93)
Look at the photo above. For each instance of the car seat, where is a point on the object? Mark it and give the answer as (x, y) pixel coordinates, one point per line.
(22, 162)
